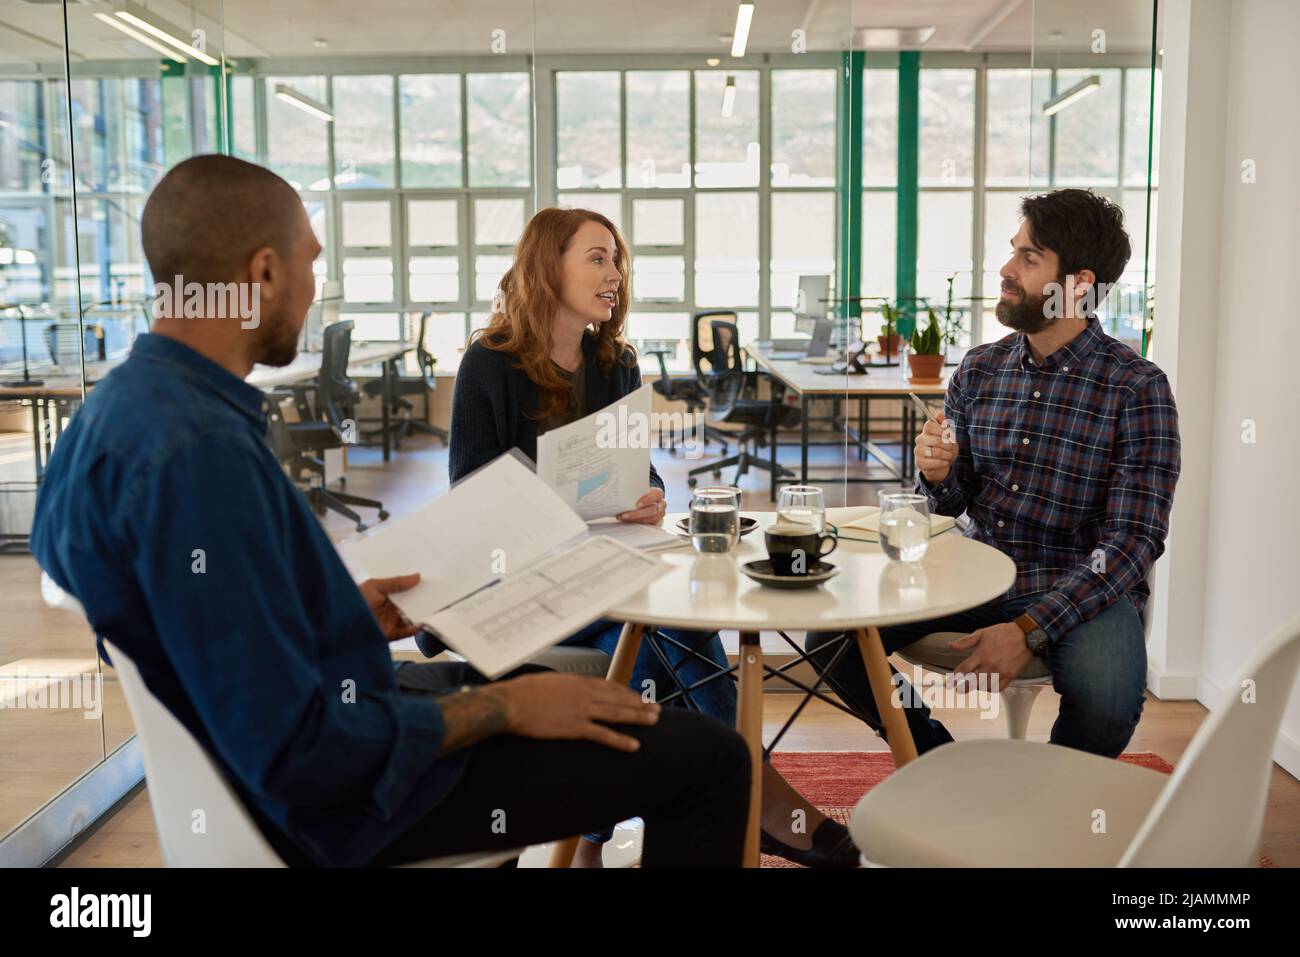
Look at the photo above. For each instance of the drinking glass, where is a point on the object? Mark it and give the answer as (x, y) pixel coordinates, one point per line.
(715, 520)
(904, 526)
(802, 505)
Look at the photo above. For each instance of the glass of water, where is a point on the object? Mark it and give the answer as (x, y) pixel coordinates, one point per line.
(904, 526)
(715, 520)
(803, 505)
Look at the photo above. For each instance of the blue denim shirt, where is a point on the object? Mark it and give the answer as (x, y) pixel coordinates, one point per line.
(168, 517)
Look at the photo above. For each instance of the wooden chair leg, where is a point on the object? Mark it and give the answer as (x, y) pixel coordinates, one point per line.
(749, 722)
(877, 665)
(620, 672)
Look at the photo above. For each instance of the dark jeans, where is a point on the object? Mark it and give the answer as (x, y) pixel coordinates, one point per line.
(717, 698)
(1099, 669)
(689, 782)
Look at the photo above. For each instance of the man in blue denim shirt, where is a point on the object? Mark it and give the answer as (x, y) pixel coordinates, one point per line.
(166, 514)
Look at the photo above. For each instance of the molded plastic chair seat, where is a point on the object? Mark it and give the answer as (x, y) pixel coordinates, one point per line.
(1004, 803)
(932, 652)
(181, 777)
(1024, 804)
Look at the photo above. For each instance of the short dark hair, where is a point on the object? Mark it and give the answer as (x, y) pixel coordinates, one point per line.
(210, 213)
(1086, 231)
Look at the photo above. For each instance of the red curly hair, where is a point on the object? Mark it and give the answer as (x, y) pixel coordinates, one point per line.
(530, 297)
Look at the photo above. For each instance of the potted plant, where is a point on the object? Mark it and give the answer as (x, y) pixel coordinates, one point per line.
(890, 341)
(925, 361)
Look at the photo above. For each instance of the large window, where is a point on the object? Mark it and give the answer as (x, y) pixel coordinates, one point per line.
(723, 181)
(692, 201)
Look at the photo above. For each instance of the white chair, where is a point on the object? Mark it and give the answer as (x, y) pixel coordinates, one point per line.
(1018, 696)
(933, 654)
(183, 780)
(1024, 804)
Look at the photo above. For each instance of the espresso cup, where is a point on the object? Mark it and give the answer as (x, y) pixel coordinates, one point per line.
(793, 550)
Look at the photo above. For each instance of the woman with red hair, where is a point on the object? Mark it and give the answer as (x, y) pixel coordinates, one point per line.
(553, 352)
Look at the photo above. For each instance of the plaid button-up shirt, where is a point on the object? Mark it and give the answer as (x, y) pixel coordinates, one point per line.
(1067, 466)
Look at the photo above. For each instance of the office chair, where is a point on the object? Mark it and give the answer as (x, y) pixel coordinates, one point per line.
(393, 387)
(733, 400)
(322, 425)
(61, 341)
(680, 389)
(181, 777)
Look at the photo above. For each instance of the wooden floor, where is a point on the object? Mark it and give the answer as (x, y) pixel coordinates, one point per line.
(42, 751)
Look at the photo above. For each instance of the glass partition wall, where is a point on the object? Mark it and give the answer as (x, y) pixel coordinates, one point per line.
(832, 164)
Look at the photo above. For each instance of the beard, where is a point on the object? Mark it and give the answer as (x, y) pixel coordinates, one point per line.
(1028, 314)
(277, 343)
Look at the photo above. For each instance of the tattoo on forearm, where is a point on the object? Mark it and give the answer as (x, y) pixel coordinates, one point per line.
(470, 717)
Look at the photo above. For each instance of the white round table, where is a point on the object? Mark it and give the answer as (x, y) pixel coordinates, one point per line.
(709, 593)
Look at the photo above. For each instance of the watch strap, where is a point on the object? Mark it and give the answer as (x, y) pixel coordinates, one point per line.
(1025, 623)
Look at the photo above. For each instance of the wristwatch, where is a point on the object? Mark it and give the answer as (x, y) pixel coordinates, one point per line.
(1035, 637)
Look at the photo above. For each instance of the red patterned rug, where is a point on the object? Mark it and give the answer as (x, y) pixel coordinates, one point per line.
(835, 780)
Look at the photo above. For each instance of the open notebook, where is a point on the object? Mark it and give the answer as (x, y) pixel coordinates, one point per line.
(507, 568)
(870, 524)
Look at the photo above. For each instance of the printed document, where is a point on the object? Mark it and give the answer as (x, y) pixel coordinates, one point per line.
(600, 465)
(505, 571)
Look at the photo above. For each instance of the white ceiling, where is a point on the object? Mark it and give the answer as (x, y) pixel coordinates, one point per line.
(33, 29)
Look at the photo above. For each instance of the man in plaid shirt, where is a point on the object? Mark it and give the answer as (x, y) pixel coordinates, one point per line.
(1061, 446)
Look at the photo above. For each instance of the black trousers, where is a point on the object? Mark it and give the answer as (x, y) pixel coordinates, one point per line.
(689, 782)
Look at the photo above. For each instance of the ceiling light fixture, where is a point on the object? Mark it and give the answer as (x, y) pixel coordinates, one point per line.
(156, 26)
(304, 102)
(1088, 85)
(894, 38)
(139, 37)
(740, 36)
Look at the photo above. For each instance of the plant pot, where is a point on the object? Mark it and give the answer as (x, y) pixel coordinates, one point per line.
(890, 347)
(925, 369)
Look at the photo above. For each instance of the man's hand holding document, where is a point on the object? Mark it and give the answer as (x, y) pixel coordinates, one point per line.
(506, 568)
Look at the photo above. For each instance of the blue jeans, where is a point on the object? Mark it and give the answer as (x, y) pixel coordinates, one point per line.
(717, 698)
(1099, 669)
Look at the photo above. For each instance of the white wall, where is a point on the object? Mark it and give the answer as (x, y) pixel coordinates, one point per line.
(1227, 329)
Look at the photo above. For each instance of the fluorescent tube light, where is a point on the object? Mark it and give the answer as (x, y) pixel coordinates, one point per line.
(156, 26)
(1086, 86)
(139, 37)
(304, 102)
(894, 38)
(729, 97)
(740, 36)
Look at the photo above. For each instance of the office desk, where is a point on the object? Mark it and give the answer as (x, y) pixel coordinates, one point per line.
(709, 593)
(883, 382)
(61, 388)
(306, 366)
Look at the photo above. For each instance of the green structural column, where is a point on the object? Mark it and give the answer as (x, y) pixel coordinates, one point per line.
(849, 268)
(909, 100)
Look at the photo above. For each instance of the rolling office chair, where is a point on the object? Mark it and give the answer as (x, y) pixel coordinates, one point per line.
(394, 387)
(708, 363)
(61, 341)
(733, 400)
(322, 425)
(692, 389)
